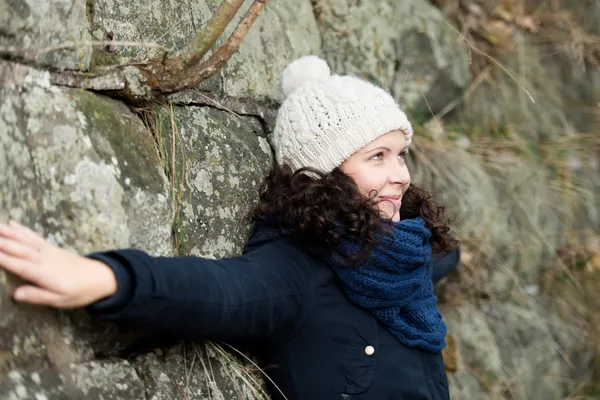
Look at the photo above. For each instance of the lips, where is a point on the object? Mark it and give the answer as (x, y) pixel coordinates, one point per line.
(395, 200)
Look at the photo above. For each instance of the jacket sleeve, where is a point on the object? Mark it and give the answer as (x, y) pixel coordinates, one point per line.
(443, 264)
(252, 296)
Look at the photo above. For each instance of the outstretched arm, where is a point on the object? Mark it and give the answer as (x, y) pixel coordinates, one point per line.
(238, 298)
(443, 264)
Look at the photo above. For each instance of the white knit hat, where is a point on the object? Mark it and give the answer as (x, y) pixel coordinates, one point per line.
(326, 118)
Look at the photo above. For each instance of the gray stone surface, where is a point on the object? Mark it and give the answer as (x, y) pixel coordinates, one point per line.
(220, 163)
(94, 380)
(92, 170)
(42, 25)
(535, 225)
(167, 23)
(284, 31)
(526, 99)
(405, 46)
(82, 171)
(463, 385)
(477, 345)
(542, 93)
(509, 349)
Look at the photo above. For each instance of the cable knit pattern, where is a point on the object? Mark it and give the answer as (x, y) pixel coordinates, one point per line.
(326, 118)
(394, 283)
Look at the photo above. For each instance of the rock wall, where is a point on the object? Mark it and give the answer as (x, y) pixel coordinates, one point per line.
(91, 173)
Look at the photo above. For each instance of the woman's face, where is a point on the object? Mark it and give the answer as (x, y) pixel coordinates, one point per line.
(379, 170)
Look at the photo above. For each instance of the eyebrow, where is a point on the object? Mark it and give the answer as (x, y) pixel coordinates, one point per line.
(384, 148)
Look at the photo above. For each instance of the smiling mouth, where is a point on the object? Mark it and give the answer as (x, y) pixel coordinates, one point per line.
(396, 200)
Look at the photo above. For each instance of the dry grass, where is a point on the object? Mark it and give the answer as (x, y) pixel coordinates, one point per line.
(222, 368)
(511, 43)
(488, 165)
(580, 307)
(492, 27)
(161, 121)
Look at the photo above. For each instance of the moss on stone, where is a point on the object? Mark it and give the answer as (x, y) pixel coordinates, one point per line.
(131, 143)
(101, 58)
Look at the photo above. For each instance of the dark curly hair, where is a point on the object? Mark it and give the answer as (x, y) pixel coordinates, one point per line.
(323, 208)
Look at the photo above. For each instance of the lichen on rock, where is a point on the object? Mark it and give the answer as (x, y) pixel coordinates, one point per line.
(219, 164)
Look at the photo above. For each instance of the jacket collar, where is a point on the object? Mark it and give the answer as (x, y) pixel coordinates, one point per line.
(263, 232)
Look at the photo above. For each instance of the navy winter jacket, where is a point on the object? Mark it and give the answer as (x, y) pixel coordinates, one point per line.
(317, 344)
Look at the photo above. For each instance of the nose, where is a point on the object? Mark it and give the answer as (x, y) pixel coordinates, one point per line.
(399, 174)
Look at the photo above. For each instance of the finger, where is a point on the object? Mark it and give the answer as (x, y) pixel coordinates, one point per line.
(28, 233)
(22, 234)
(17, 249)
(36, 295)
(20, 267)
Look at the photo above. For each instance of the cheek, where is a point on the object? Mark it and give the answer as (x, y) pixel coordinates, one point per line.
(369, 182)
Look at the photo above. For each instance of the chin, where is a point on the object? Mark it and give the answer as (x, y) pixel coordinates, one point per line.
(395, 217)
(390, 214)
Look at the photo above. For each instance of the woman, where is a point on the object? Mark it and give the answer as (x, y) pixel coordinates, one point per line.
(335, 283)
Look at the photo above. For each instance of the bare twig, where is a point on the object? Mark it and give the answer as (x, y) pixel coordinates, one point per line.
(193, 76)
(202, 43)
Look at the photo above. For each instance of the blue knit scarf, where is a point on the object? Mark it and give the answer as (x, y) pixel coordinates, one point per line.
(394, 283)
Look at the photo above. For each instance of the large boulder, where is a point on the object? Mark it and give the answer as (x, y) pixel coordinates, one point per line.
(572, 54)
(83, 171)
(81, 168)
(168, 24)
(532, 105)
(285, 30)
(405, 46)
(86, 173)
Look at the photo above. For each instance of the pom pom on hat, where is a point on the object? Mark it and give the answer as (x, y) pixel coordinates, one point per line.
(304, 70)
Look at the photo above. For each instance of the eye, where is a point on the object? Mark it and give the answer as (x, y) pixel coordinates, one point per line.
(403, 154)
(377, 157)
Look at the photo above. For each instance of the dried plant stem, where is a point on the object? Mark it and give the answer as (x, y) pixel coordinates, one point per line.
(194, 75)
(203, 42)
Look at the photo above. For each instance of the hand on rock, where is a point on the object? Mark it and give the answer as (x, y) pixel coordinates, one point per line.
(56, 277)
